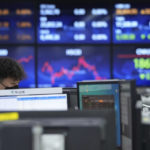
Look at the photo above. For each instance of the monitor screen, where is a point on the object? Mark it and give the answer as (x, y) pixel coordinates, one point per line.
(25, 56)
(131, 23)
(73, 23)
(132, 62)
(41, 99)
(65, 65)
(100, 95)
(16, 23)
(59, 130)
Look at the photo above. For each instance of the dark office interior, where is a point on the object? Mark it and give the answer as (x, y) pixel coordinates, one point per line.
(88, 75)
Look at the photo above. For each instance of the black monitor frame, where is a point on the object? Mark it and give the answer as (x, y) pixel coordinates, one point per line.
(101, 82)
(72, 97)
(58, 120)
(134, 125)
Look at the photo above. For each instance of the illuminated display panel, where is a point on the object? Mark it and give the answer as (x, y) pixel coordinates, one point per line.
(65, 65)
(16, 23)
(101, 95)
(132, 62)
(38, 102)
(131, 23)
(25, 56)
(73, 23)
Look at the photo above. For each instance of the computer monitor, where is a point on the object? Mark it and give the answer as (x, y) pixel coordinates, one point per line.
(60, 130)
(96, 95)
(33, 99)
(100, 94)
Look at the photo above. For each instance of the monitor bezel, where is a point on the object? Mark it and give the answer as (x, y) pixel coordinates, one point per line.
(109, 81)
(70, 91)
(30, 91)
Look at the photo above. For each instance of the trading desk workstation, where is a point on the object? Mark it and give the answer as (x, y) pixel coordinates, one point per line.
(97, 114)
(88, 75)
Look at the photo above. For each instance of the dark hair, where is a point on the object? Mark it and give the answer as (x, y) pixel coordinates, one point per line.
(11, 68)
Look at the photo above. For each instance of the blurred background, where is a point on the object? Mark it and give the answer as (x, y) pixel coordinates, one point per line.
(62, 42)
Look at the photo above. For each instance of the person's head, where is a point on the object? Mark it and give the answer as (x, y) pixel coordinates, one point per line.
(11, 73)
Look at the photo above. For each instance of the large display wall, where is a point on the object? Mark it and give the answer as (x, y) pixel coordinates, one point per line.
(60, 43)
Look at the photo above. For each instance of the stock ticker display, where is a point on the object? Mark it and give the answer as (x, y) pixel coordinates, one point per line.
(94, 96)
(83, 37)
(16, 23)
(131, 24)
(25, 56)
(73, 23)
(132, 62)
(64, 66)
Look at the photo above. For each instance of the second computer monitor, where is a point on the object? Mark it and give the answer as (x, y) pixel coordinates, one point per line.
(96, 95)
(34, 99)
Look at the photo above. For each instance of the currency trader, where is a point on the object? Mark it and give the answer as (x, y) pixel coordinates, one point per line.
(11, 73)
